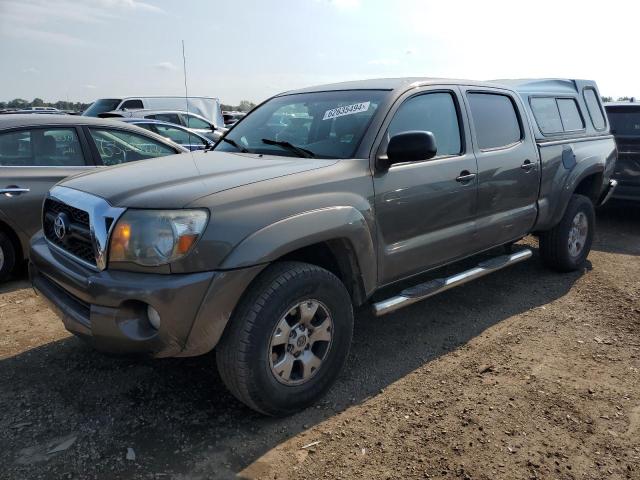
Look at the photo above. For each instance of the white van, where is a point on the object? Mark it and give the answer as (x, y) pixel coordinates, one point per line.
(207, 107)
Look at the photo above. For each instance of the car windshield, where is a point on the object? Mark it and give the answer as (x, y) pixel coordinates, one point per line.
(101, 106)
(319, 125)
(625, 120)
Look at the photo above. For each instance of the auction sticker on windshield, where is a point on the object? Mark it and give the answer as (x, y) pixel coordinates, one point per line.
(346, 110)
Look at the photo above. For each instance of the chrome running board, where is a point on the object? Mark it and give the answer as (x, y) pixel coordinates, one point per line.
(433, 287)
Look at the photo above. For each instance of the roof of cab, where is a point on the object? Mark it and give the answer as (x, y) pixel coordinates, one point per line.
(390, 84)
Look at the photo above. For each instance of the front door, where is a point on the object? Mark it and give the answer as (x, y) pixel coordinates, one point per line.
(32, 160)
(425, 210)
(508, 167)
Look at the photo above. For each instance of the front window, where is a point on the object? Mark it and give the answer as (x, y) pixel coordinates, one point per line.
(101, 106)
(319, 124)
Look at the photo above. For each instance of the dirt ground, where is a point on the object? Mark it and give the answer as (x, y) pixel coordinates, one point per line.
(523, 374)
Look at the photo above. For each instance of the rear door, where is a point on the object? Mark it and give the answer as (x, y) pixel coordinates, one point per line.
(32, 160)
(508, 166)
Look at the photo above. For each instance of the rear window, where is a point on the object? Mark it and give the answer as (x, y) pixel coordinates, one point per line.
(165, 117)
(495, 120)
(556, 115)
(624, 120)
(593, 105)
(132, 105)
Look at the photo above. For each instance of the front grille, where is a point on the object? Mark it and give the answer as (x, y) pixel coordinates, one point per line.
(77, 238)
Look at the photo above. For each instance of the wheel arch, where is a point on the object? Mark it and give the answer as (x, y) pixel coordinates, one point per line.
(336, 238)
(586, 181)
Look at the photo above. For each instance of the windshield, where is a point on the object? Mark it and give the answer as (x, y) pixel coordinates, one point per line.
(101, 106)
(625, 120)
(319, 125)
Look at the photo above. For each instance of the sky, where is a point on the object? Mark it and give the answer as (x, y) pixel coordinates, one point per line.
(80, 50)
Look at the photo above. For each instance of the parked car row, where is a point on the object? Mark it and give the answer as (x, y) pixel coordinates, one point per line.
(319, 201)
(188, 120)
(185, 137)
(205, 107)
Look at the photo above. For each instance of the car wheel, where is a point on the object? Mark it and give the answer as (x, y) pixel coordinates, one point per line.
(7, 257)
(566, 246)
(288, 339)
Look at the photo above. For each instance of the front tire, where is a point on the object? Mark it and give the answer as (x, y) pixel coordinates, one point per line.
(288, 340)
(7, 257)
(566, 246)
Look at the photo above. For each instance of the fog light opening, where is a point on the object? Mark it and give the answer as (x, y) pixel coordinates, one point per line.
(154, 317)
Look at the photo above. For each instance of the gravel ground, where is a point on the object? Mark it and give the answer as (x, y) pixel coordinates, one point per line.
(523, 374)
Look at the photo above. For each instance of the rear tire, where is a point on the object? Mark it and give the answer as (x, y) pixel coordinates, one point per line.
(566, 246)
(7, 257)
(288, 339)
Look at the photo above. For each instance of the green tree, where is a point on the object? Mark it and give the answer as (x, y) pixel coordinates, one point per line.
(17, 103)
(624, 99)
(37, 102)
(246, 105)
(607, 99)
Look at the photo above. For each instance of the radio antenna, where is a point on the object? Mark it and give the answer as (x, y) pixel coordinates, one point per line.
(184, 69)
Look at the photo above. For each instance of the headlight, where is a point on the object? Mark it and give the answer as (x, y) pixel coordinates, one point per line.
(155, 237)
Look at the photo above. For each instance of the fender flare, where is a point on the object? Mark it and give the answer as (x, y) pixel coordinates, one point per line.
(555, 207)
(304, 229)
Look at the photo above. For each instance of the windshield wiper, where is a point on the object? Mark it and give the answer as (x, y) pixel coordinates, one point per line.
(234, 144)
(301, 152)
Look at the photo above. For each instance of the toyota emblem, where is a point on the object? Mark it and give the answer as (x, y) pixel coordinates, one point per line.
(60, 225)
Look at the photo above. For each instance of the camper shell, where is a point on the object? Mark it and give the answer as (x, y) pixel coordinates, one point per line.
(553, 119)
(570, 127)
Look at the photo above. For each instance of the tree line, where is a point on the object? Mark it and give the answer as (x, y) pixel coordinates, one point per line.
(244, 106)
(20, 103)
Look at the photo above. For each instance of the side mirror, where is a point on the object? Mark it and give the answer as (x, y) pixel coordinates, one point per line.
(411, 147)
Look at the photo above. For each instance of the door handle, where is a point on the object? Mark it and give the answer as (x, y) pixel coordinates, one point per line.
(465, 176)
(13, 191)
(527, 165)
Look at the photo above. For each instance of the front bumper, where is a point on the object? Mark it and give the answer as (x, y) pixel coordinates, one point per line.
(109, 308)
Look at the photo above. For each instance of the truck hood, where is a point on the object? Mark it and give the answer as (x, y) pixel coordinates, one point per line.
(177, 180)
